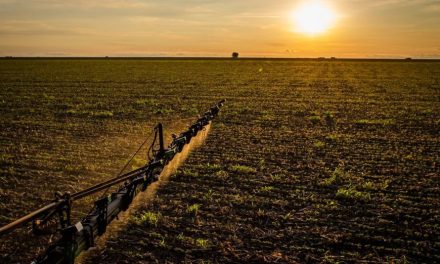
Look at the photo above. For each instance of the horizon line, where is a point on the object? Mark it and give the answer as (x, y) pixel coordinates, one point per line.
(223, 58)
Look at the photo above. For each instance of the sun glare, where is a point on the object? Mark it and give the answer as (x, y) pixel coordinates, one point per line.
(313, 18)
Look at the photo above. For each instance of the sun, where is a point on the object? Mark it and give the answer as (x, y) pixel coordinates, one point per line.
(313, 18)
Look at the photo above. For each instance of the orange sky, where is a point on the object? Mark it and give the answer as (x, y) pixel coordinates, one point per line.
(388, 28)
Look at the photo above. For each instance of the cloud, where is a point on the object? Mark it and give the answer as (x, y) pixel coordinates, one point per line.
(48, 4)
(40, 28)
(398, 3)
(432, 8)
(27, 28)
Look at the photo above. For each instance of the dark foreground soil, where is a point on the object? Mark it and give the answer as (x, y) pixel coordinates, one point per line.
(331, 169)
(308, 162)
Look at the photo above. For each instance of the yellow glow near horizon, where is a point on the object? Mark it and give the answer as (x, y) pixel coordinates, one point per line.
(313, 18)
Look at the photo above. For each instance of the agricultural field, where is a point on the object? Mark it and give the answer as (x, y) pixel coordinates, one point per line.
(308, 161)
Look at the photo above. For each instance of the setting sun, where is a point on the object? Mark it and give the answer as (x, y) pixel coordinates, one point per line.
(313, 18)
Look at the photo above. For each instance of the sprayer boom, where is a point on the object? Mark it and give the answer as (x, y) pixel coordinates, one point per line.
(80, 236)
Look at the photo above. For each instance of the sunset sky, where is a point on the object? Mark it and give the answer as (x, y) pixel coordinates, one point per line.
(255, 28)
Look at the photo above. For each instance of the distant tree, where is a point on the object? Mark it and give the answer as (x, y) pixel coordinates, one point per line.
(235, 55)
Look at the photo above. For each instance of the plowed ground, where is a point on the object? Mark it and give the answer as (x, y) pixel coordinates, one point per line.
(308, 162)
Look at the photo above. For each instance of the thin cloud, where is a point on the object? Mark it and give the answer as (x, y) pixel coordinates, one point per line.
(54, 4)
(432, 8)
